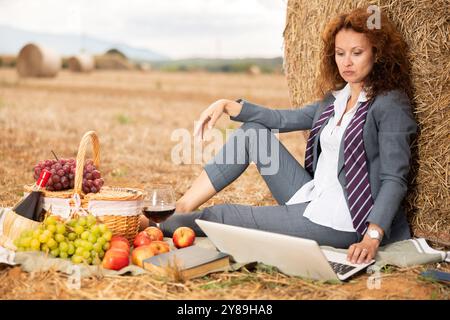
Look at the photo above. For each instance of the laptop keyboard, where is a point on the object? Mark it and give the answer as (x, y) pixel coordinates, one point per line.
(340, 268)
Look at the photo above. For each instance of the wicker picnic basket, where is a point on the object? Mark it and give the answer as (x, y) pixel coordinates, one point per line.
(120, 208)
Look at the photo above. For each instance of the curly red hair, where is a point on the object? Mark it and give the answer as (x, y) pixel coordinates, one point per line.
(391, 69)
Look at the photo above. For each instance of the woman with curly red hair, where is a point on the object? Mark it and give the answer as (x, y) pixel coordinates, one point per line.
(349, 192)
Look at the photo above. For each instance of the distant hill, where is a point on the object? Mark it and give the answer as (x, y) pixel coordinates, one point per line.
(12, 40)
(266, 65)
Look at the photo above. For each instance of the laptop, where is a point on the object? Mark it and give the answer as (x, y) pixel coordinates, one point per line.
(291, 255)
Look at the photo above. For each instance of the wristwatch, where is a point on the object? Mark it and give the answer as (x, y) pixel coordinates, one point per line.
(374, 234)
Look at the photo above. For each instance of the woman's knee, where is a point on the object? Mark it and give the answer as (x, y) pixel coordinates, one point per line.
(256, 133)
(214, 213)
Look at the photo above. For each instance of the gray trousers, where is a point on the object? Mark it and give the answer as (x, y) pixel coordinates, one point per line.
(253, 142)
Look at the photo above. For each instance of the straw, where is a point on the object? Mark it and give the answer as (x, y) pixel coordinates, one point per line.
(426, 29)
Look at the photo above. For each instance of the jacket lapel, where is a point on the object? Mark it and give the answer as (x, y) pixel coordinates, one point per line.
(341, 156)
(317, 141)
(340, 172)
(328, 100)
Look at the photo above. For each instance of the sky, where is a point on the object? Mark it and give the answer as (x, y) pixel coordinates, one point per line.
(176, 28)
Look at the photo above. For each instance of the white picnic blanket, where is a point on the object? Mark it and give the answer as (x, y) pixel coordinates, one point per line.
(402, 254)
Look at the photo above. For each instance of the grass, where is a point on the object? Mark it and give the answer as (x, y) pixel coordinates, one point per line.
(123, 119)
(261, 267)
(119, 172)
(388, 269)
(229, 283)
(434, 295)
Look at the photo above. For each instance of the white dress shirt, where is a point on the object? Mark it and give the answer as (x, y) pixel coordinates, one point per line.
(328, 206)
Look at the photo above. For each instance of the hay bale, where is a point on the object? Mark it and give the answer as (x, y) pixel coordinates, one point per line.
(81, 63)
(112, 61)
(425, 27)
(114, 51)
(144, 66)
(254, 70)
(37, 61)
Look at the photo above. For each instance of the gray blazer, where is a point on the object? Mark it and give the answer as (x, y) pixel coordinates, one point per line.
(387, 134)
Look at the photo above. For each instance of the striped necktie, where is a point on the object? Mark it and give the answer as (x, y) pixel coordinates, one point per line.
(359, 196)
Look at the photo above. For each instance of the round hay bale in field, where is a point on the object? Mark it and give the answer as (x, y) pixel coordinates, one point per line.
(113, 62)
(37, 61)
(425, 27)
(144, 66)
(254, 70)
(81, 63)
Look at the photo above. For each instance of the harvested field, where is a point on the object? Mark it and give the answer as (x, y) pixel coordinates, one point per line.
(134, 114)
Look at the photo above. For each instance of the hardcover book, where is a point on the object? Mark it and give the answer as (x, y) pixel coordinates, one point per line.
(187, 263)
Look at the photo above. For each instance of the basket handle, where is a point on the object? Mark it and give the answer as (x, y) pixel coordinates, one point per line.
(90, 136)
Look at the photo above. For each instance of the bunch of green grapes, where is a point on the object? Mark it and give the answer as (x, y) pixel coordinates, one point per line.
(81, 239)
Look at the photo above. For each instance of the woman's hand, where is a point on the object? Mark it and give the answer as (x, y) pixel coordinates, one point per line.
(214, 112)
(364, 251)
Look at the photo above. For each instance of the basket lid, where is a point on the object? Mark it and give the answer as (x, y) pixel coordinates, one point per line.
(106, 193)
(116, 194)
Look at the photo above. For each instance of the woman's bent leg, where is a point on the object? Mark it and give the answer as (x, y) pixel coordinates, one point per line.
(279, 169)
(253, 142)
(200, 191)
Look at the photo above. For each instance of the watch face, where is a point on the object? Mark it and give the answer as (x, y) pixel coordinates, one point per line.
(374, 234)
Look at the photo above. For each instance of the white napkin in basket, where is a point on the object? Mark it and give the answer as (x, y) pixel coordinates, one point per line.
(6, 256)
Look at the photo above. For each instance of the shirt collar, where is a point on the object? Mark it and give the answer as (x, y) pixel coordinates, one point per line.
(345, 93)
(341, 98)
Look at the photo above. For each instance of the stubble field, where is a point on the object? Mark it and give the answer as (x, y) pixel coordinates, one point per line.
(134, 115)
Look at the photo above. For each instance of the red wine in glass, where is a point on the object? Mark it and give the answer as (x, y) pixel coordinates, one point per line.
(159, 203)
(158, 214)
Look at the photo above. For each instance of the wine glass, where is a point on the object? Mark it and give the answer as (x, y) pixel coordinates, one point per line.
(159, 203)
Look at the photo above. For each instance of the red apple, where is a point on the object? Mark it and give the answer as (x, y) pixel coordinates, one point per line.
(159, 247)
(154, 233)
(120, 238)
(140, 254)
(120, 244)
(118, 250)
(183, 237)
(142, 239)
(115, 260)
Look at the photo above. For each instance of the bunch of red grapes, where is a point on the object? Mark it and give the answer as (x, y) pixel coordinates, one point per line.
(63, 175)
